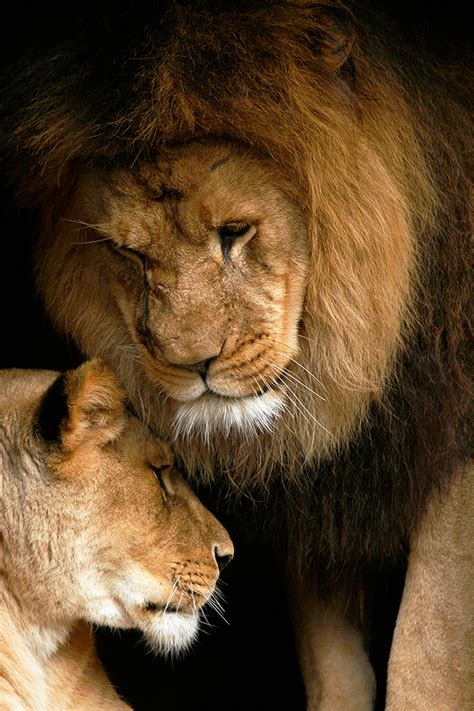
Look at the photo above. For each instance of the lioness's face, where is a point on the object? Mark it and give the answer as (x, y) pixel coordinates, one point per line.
(154, 552)
(208, 253)
(95, 521)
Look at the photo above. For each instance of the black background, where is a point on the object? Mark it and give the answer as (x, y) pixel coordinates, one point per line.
(248, 664)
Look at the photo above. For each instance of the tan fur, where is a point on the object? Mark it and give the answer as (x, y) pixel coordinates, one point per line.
(76, 679)
(88, 533)
(334, 664)
(432, 660)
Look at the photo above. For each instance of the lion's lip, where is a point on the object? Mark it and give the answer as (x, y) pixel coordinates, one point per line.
(226, 397)
(277, 384)
(211, 394)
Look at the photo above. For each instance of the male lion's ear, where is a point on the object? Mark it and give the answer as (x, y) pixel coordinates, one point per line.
(332, 33)
(95, 404)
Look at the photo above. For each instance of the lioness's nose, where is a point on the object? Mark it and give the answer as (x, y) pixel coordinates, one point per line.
(223, 556)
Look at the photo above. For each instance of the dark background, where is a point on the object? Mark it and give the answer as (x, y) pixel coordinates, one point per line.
(248, 664)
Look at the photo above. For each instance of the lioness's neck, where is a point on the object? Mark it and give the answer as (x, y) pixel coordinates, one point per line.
(42, 639)
(25, 645)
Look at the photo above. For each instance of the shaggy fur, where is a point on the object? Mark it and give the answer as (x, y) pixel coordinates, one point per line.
(375, 145)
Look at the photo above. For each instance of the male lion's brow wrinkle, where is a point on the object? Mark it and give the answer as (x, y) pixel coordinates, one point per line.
(157, 191)
(219, 163)
(168, 192)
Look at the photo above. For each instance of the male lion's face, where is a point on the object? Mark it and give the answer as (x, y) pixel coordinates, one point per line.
(208, 254)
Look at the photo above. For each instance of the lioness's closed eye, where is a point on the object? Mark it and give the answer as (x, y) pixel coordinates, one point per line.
(96, 524)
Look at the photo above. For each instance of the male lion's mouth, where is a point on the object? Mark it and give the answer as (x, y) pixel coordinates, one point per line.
(239, 377)
(219, 402)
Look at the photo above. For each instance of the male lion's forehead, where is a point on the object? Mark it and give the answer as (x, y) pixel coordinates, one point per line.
(204, 158)
(219, 163)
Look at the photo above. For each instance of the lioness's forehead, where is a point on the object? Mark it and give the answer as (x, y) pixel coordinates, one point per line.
(138, 438)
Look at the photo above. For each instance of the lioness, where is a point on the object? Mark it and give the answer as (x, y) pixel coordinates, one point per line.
(95, 525)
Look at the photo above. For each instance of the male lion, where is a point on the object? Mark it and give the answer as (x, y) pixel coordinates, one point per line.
(95, 525)
(259, 214)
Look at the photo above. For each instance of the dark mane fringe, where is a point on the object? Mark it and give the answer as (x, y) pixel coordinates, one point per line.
(224, 68)
(95, 97)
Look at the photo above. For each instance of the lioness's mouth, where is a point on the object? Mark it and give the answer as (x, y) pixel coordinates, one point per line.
(159, 607)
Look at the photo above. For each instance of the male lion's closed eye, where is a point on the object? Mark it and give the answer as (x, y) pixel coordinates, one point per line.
(129, 252)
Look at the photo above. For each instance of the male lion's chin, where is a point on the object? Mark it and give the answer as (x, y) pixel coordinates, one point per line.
(212, 414)
(171, 633)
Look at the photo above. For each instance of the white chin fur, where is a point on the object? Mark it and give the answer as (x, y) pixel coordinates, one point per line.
(211, 413)
(171, 632)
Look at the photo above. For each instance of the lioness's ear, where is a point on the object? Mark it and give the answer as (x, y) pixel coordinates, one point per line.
(95, 406)
(83, 407)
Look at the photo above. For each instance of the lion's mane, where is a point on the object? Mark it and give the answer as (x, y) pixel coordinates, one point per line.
(313, 87)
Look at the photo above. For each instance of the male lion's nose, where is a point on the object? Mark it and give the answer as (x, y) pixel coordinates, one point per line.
(193, 356)
(223, 557)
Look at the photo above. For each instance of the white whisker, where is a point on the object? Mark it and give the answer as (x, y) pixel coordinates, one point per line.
(295, 399)
(312, 416)
(170, 596)
(298, 381)
(288, 374)
(211, 603)
(293, 360)
(93, 241)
